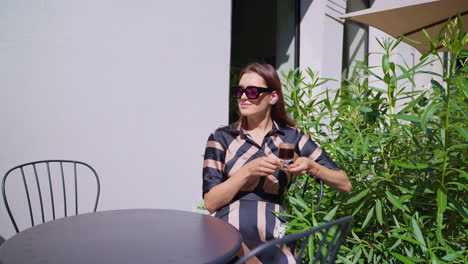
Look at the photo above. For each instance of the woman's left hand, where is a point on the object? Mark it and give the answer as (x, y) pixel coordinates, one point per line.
(302, 165)
(336, 179)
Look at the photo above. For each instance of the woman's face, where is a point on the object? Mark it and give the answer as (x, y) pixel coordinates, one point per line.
(259, 106)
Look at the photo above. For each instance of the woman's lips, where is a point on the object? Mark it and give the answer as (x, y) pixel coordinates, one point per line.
(244, 105)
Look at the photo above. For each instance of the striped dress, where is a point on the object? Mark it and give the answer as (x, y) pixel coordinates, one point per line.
(250, 211)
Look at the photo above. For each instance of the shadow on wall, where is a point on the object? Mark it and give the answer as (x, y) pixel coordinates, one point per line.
(305, 4)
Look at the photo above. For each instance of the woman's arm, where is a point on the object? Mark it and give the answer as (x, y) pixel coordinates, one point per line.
(337, 180)
(223, 193)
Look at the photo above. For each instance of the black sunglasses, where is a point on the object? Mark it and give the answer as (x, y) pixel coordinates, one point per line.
(252, 92)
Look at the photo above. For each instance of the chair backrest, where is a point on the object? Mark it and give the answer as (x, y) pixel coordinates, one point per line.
(306, 187)
(325, 241)
(46, 183)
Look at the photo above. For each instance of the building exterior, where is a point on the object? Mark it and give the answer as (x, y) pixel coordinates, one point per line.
(135, 87)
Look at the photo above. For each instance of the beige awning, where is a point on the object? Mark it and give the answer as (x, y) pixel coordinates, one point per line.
(410, 17)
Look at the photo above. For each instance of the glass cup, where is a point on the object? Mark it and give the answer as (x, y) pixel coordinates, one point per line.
(286, 154)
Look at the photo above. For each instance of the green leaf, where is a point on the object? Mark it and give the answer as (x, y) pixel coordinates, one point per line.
(438, 87)
(392, 66)
(441, 200)
(434, 258)
(298, 213)
(369, 216)
(394, 200)
(330, 214)
(385, 63)
(463, 173)
(462, 131)
(284, 214)
(357, 256)
(458, 146)
(453, 254)
(418, 234)
(461, 186)
(441, 207)
(409, 240)
(310, 246)
(411, 118)
(428, 113)
(387, 78)
(365, 109)
(358, 197)
(413, 41)
(380, 90)
(412, 103)
(395, 245)
(426, 35)
(410, 165)
(462, 83)
(402, 258)
(344, 260)
(356, 147)
(378, 211)
(299, 202)
(366, 145)
(358, 208)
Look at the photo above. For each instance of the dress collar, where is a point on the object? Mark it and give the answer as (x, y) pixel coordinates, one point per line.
(236, 129)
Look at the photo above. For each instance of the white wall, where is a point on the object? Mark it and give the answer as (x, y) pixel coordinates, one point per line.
(321, 38)
(132, 87)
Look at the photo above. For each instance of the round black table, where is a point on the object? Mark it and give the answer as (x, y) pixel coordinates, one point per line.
(136, 236)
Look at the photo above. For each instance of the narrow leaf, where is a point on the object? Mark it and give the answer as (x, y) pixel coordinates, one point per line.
(411, 118)
(378, 211)
(463, 173)
(441, 200)
(343, 259)
(458, 146)
(365, 109)
(402, 258)
(366, 145)
(410, 165)
(409, 240)
(330, 214)
(394, 200)
(369, 216)
(418, 234)
(462, 131)
(441, 207)
(385, 63)
(299, 202)
(428, 113)
(358, 197)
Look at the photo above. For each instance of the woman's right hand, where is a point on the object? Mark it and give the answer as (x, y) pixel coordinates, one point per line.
(262, 166)
(223, 193)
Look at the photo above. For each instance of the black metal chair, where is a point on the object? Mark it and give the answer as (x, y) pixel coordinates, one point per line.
(306, 186)
(49, 175)
(326, 240)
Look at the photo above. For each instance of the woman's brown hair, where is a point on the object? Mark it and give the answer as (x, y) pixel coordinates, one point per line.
(268, 73)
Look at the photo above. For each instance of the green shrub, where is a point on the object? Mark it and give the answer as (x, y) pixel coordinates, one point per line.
(405, 153)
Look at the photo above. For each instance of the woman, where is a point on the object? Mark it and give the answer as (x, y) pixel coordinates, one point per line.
(242, 177)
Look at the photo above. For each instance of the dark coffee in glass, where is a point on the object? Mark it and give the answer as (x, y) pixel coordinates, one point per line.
(286, 154)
